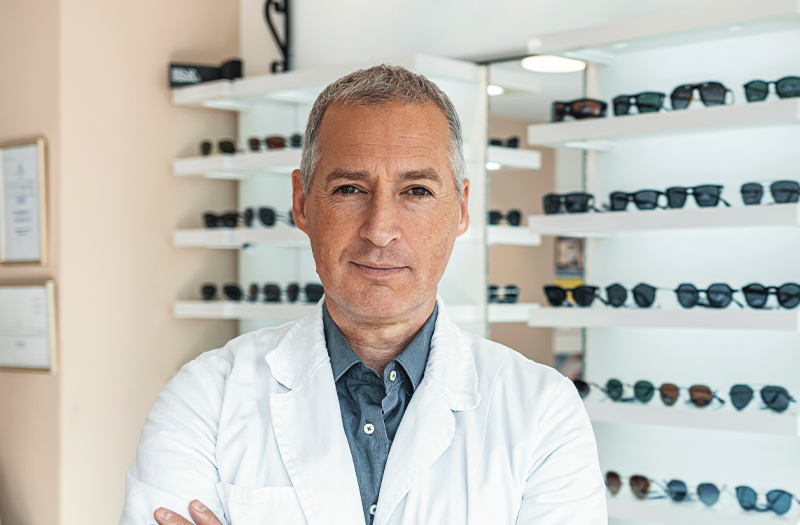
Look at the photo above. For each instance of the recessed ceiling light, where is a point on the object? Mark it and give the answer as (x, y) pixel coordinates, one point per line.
(492, 166)
(493, 90)
(552, 64)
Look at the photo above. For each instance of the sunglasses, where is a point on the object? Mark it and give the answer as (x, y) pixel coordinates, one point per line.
(312, 292)
(707, 195)
(640, 485)
(676, 489)
(711, 94)
(778, 501)
(775, 398)
(782, 191)
(577, 202)
(514, 217)
(643, 294)
(756, 294)
(647, 102)
(511, 142)
(267, 216)
(699, 395)
(643, 199)
(276, 142)
(225, 146)
(579, 109)
(231, 291)
(787, 87)
(717, 295)
(510, 294)
(226, 220)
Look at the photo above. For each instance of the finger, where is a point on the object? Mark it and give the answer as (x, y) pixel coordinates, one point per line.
(201, 514)
(165, 516)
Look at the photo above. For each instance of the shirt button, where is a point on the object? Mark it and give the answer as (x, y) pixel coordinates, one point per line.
(372, 509)
(369, 428)
(392, 375)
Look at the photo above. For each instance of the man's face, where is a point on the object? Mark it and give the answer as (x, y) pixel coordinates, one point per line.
(382, 211)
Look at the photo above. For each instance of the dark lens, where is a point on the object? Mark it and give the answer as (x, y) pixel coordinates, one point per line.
(227, 146)
(558, 111)
(248, 216)
(584, 295)
(613, 482)
(789, 295)
(681, 97)
(785, 191)
(205, 147)
(253, 295)
(614, 389)
(741, 396)
(640, 486)
(708, 493)
(643, 391)
(776, 397)
(788, 87)
(272, 293)
(514, 217)
(314, 292)
(210, 220)
(747, 497)
(555, 295)
(267, 216)
(292, 291)
(649, 102)
(707, 195)
(495, 217)
(587, 108)
(617, 295)
(677, 490)
(209, 291)
(687, 295)
(719, 295)
(511, 293)
(552, 203)
(275, 142)
(779, 501)
(755, 295)
(230, 219)
(622, 105)
(495, 142)
(756, 90)
(232, 292)
(512, 142)
(619, 201)
(494, 293)
(582, 387)
(644, 295)
(676, 197)
(712, 93)
(296, 140)
(255, 143)
(701, 395)
(669, 393)
(752, 192)
(577, 202)
(646, 199)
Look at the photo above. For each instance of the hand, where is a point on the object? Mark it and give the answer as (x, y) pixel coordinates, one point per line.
(199, 512)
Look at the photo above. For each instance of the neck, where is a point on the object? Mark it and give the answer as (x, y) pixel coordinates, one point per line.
(378, 342)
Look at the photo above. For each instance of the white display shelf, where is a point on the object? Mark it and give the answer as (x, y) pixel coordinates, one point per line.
(241, 166)
(303, 86)
(760, 422)
(602, 43)
(729, 318)
(599, 133)
(525, 159)
(509, 313)
(688, 513)
(598, 224)
(512, 235)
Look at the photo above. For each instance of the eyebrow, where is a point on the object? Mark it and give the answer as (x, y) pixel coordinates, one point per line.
(424, 174)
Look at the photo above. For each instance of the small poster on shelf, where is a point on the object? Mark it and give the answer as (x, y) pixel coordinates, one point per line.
(23, 219)
(28, 327)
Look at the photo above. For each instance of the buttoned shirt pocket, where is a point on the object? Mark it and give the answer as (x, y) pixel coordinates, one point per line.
(262, 506)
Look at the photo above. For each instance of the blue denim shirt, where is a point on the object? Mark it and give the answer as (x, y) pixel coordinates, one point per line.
(372, 406)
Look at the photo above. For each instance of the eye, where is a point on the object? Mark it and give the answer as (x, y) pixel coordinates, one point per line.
(347, 190)
(419, 191)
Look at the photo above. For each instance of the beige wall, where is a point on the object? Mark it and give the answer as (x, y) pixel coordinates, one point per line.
(527, 267)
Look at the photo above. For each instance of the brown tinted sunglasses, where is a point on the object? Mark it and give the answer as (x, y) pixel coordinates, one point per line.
(640, 485)
(579, 109)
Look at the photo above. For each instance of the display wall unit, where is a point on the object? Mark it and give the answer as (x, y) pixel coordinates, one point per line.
(728, 145)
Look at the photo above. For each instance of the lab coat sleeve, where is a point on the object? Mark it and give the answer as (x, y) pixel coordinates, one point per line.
(176, 458)
(564, 483)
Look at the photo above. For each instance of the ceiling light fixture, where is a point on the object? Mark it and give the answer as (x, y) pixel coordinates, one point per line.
(552, 64)
(493, 90)
(492, 166)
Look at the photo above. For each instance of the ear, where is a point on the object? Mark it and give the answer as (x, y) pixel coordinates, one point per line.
(299, 202)
(463, 223)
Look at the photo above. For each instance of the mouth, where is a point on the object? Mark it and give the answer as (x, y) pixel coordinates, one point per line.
(379, 270)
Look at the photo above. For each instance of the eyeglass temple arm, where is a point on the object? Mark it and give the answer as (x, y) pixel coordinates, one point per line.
(726, 203)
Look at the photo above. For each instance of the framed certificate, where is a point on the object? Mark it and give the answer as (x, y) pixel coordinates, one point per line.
(23, 202)
(28, 327)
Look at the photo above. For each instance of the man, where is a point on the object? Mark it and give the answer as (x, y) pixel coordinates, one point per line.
(377, 409)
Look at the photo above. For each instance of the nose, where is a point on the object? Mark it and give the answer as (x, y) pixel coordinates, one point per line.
(381, 225)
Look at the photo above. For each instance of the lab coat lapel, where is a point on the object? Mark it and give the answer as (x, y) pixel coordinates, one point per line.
(450, 384)
(308, 427)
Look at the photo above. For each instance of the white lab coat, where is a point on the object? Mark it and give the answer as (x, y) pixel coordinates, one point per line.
(254, 431)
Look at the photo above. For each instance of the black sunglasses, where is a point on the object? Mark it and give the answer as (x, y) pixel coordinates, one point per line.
(643, 294)
(579, 109)
(313, 292)
(511, 142)
(706, 195)
(267, 216)
(756, 294)
(510, 294)
(778, 501)
(711, 94)
(775, 398)
(647, 102)
(226, 220)
(231, 291)
(226, 146)
(577, 202)
(276, 142)
(782, 191)
(643, 199)
(514, 217)
(787, 87)
(717, 295)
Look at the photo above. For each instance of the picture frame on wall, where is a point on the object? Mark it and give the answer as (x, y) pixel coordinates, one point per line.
(28, 327)
(23, 202)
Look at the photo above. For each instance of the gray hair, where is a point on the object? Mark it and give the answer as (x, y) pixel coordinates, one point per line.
(375, 87)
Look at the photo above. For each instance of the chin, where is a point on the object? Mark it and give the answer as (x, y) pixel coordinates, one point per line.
(379, 303)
